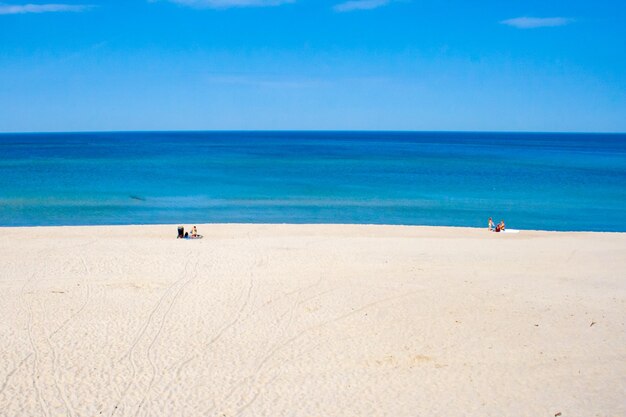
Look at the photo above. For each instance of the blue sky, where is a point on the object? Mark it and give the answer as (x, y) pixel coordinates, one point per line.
(519, 65)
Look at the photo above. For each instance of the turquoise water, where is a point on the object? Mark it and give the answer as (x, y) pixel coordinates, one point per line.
(532, 181)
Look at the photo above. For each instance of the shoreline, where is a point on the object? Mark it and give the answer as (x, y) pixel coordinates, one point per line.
(366, 225)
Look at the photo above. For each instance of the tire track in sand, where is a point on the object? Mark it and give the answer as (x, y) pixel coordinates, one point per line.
(55, 367)
(57, 330)
(279, 346)
(230, 324)
(55, 357)
(35, 375)
(142, 332)
(194, 275)
(249, 384)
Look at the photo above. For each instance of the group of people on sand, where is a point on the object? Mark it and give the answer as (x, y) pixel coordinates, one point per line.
(500, 227)
(186, 235)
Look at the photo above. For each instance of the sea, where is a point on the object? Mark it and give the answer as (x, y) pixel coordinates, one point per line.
(532, 181)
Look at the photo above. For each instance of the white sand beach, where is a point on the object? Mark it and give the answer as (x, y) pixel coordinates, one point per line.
(311, 320)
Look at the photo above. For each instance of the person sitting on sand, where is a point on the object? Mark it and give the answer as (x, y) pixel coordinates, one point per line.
(181, 232)
(194, 232)
(502, 226)
(491, 227)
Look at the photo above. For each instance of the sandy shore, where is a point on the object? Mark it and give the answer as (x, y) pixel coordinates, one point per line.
(326, 320)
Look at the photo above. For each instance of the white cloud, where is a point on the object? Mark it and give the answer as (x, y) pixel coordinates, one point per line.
(536, 22)
(225, 4)
(41, 8)
(351, 5)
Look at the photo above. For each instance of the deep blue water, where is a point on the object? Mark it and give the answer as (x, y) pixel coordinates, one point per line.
(532, 181)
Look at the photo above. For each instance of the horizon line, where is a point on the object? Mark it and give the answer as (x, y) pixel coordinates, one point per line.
(311, 131)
